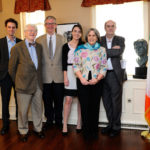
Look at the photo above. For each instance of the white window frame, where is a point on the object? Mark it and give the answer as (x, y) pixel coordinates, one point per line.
(26, 18)
(99, 24)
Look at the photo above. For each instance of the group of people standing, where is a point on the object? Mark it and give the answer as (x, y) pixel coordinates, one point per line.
(48, 68)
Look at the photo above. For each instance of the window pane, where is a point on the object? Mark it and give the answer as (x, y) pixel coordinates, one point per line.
(130, 24)
(36, 18)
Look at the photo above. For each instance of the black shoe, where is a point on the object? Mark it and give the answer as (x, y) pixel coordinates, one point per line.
(4, 130)
(78, 130)
(106, 130)
(17, 121)
(65, 133)
(47, 126)
(40, 134)
(59, 125)
(24, 137)
(94, 135)
(114, 133)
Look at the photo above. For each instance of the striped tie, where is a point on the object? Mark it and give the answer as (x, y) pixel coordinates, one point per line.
(51, 48)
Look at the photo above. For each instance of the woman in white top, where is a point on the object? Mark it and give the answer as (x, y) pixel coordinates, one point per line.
(69, 76)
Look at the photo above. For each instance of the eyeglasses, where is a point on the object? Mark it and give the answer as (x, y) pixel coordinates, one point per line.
(48, 24)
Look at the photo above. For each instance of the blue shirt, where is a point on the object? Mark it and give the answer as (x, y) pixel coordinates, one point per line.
(10, 44)
(32, 52)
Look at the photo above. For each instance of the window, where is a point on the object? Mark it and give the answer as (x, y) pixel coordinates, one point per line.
(129, 18)
(36, 18)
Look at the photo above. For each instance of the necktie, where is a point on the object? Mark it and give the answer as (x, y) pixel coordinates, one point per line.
(50, 48)
(32, 44)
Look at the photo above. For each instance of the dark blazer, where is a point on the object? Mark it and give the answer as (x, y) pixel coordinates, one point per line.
(116, 56)
(22, 69)
(4, 57)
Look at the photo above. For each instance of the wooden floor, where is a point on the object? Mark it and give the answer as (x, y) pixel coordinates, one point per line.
(127, 140)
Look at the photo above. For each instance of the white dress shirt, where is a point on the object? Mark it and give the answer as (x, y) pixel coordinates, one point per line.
(109, 45)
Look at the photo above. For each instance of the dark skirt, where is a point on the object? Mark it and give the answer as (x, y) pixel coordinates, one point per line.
(69, 92)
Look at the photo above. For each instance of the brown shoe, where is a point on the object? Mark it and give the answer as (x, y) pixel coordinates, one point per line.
(40, 134)
(24, 137)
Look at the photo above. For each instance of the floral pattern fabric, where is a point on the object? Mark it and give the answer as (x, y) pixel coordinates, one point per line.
(86, 60)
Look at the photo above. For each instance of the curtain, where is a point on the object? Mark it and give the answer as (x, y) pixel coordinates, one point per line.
(0, 5)
(31, 5)
(89, 3)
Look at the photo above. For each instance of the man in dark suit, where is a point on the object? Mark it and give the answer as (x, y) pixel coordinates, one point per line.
(113, 82)
(25, 68)
(53, 81)
(6, 43)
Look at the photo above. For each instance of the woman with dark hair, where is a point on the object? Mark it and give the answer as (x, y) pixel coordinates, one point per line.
(90, 65)
(69, 76)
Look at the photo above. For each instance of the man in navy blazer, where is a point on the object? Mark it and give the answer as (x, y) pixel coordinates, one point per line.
(6, 43)
(113, 82)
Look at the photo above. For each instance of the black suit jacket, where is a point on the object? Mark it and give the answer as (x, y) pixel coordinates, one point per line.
(4, 57)
(116, 56)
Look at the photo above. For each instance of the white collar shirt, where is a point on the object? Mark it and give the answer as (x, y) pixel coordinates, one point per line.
(109, 46)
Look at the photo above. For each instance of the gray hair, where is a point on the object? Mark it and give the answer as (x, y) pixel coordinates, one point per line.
(96, 33)
(32, 25)
(50, 17)
(109, 21)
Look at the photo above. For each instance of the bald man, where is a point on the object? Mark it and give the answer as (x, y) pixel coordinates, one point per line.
(113, 82)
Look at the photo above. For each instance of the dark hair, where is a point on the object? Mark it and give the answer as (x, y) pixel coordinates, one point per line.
(80, 27)
(96, 33)
(11, 20)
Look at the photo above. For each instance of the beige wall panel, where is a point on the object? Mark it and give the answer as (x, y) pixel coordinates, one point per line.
(0, 5)
(69, 11)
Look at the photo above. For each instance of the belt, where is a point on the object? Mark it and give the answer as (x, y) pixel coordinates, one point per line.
(69, 64)
(110, 70)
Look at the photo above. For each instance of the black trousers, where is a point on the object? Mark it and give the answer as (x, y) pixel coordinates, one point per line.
(6, 85)
(53, 95)
(112, 100)
(89, 97)
(15, 96)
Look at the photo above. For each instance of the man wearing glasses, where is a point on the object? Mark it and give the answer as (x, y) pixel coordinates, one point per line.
(25, 68)
(53, 86)
(115, 77)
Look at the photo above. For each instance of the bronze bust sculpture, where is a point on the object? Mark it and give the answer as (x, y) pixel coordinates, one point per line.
(141, 49)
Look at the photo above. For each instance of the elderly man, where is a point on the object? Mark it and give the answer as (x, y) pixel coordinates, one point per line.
(53, 86)
(6, 43)
(25, 68)
(112, 90)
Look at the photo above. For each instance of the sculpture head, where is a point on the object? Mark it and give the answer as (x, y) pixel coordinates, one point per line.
(141, 47)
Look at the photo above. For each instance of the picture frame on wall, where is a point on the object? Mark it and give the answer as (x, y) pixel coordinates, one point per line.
(65, 29)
